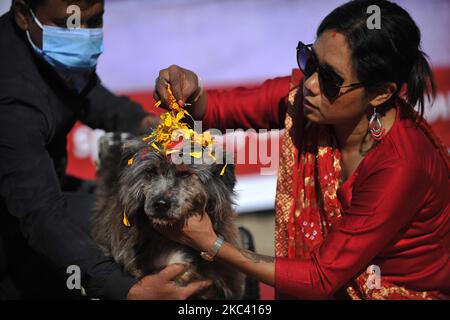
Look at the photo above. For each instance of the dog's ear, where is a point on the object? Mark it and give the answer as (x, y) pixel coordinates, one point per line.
(129, 149)
(110, 156)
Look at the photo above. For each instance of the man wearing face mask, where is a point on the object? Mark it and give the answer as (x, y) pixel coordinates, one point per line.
(47, 83)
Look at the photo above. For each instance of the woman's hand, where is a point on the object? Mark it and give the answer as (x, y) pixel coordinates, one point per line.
(186, 88)
(197, 232)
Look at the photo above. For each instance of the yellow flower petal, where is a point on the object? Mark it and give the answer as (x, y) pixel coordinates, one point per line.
(196, 155)
(168, 121)
(125, 220)
(185, 112)
(155, 146)
(172, 128)
(169, 89)
(207, 136)
(212, 156)
(171, 151)
(223, 169)
(180, 115)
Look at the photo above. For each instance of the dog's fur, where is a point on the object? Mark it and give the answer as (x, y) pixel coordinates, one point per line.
(153, 190)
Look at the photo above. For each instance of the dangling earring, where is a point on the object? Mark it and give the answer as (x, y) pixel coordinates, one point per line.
(376, 127)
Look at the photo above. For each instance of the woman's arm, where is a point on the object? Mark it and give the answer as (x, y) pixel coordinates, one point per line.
(199, 234)
(258, 107)
(255, 265)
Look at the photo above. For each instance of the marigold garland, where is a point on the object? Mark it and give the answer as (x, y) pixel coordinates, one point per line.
(162, 137)
(172, 126)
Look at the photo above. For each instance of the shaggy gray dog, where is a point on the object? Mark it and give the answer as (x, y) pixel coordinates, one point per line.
(154, 191)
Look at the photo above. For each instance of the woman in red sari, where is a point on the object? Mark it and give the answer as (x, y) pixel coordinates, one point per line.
(363, 182)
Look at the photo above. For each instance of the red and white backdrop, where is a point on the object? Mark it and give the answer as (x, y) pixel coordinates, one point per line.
(230, 43)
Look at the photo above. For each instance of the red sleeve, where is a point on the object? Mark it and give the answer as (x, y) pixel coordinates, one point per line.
(381, 205)
(262, 107)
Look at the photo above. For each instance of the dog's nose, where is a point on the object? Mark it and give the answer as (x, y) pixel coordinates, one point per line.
(161, 205)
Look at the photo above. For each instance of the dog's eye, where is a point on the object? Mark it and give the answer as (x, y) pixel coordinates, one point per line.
(182, 171)
(151, 172)
(183, 174)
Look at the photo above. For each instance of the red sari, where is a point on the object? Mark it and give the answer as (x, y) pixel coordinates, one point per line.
(393, 212)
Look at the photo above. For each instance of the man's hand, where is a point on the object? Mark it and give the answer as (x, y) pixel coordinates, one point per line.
(162, 287)
(186, 88)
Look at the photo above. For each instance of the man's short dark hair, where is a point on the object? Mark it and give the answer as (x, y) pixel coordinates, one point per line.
(33, 4)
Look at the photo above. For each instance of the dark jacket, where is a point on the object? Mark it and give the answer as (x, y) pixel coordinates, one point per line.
(37, 111)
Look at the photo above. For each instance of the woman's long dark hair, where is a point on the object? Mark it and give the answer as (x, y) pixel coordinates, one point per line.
(389, 54)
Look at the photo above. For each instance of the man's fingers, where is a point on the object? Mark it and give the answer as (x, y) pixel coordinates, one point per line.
(195, 287)
(174, 270)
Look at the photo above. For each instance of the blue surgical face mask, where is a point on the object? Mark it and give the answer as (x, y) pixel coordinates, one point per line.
(72, 52)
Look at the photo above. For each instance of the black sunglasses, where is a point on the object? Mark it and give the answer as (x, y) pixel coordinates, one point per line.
(330, 82)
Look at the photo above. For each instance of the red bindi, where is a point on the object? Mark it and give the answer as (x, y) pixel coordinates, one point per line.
(334, 34)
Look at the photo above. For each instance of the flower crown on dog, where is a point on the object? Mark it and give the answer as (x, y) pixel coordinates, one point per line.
(168, 137)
